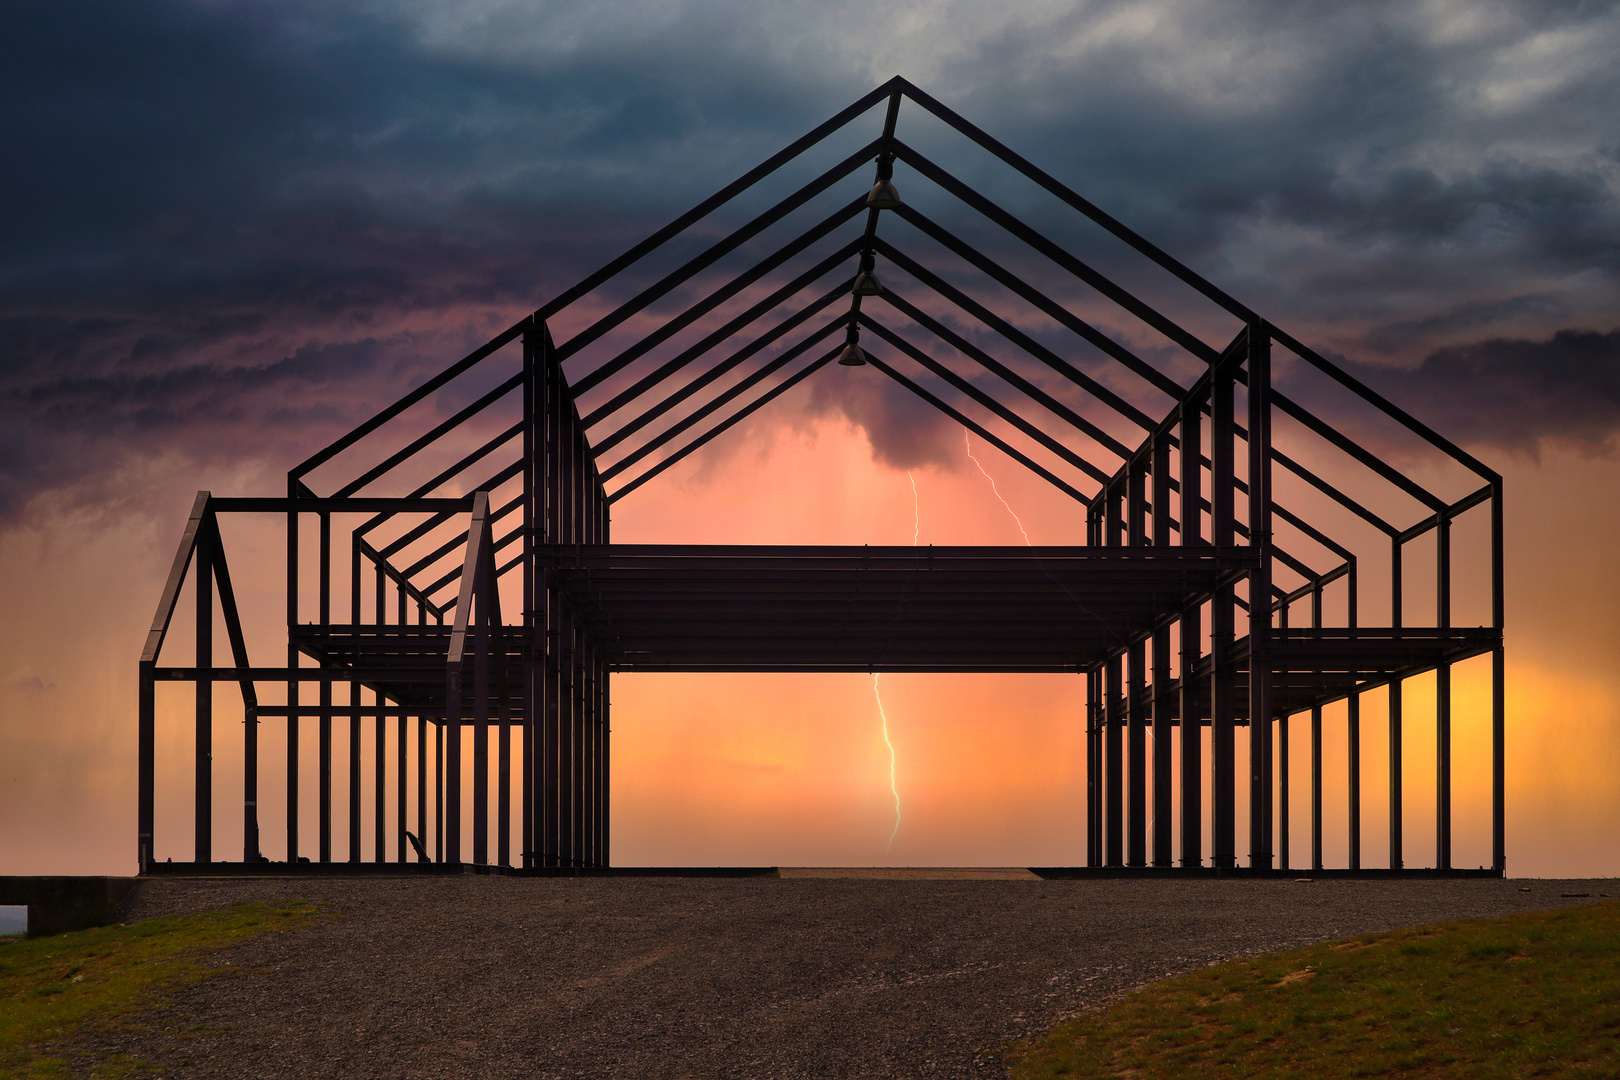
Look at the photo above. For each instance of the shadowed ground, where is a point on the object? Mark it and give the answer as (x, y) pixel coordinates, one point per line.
(906, 975)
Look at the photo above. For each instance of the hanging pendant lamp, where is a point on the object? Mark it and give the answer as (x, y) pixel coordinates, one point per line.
(852, 356)
(866, 282)
(883, 195)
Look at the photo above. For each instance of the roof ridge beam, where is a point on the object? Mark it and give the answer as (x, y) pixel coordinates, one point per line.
(719, 198)
(720, 249)
(1078, 202)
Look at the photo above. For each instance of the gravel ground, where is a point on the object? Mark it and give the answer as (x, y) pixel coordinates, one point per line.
(804, 976)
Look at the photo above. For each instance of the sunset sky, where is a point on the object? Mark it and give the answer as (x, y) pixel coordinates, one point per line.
(235, 230)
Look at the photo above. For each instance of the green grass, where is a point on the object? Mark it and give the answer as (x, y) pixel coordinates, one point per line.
(1534, 995)
(53, 987)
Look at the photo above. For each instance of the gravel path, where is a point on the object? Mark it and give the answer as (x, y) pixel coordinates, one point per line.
(804, 976)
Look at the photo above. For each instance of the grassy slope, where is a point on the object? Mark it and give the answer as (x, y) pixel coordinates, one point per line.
(51, 987)
(1534, 995)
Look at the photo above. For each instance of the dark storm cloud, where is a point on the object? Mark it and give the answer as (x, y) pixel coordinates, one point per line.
(1517, 394)
(218, 208)
(1395, 154)
(245, 213)
(904, 430)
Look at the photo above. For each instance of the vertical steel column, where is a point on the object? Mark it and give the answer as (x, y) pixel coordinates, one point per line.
(250, 774)
(598, 688)
(1353, 707)
(1316, 787)
(567, 697)
(1093, 807)
(532, 641)
(1192, 723)
(605, 761)
(605, 709)
(380, 751)
(421, 756)
(478, 624)
(438, 791)
(503, 774)
(1093, 721)
(549, 719)
(1498, 689)
(452, 767)
(402, 739)
(324, 750)
(355, 695)
(1114, 768)
(203, 562)
(292, 684)
(1135, 687)
(1282, 790)
(1114, 712)
(581, 650)
(1282, 761)
(1222, 486)
(250, 709)
(585, 792)
(1163, 804)
(1136, 755)
(1261, 807)
(587, 758)
(421, 778)
(1395, 739)
(1316, 751)
(145, 766)
(1442, 697)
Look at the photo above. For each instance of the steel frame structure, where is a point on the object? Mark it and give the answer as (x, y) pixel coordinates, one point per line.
(1175, 609)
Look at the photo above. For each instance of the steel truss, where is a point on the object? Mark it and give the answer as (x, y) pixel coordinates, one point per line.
(1176, 609)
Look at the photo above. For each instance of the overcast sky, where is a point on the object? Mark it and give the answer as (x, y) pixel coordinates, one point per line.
(222, 212)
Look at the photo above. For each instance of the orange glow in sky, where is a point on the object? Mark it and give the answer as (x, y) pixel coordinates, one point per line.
(794, 769)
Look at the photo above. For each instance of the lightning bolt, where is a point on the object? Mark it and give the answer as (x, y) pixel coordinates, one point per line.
(1153, 824)
(997, 491)
(883, 717)
(916, 511)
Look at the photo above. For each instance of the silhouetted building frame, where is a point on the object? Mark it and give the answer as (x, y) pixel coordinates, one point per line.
(1180, 548)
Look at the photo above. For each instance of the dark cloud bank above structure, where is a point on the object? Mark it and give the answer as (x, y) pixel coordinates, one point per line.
(233, 228)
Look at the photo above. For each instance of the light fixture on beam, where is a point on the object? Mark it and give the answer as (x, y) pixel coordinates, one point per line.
(866, 282)
(883, 195)
(853, 355)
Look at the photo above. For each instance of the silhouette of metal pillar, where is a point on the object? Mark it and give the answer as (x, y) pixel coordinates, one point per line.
(1223, 811)
(1163, 698)
(1261, 809)
(1114, 706)
(1192, 725)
